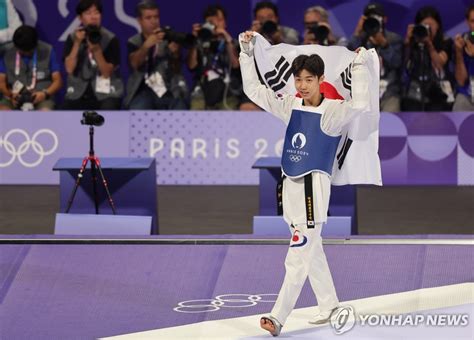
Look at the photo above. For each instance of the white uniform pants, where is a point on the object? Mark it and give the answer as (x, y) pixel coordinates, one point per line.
(305, 258)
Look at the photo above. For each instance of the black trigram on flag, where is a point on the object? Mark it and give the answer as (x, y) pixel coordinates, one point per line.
(341, 156)
(277, 78)
(346, 77)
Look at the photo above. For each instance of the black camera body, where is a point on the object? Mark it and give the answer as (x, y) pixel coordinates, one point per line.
(420, 32)
(25, 100)
(373, 24)
(269, 28)
(206, 33)
(92, 118)
(469, 36)
(184, 39)
(321, 34)
(93, 34)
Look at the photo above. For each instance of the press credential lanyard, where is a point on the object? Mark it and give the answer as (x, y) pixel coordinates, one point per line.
(35, 69)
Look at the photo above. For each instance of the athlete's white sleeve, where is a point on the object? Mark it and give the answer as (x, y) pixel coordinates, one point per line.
(280, 105)
(339, 113)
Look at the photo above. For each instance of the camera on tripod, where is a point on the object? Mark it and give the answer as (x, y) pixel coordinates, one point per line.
(92, 118)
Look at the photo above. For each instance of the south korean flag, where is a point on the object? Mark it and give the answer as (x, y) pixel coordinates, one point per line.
(357, 160)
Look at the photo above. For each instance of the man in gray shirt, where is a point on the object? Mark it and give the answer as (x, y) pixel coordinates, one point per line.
(371, 33)
(266, 22)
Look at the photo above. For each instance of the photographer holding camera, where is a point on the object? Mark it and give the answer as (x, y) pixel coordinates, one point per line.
(156, 81)
(92, 58)
(9, 22)
(266, 22)
(371, 33)
(427, 53)
(29, 73)
(464, 65)
(214, 62)
(318, 30)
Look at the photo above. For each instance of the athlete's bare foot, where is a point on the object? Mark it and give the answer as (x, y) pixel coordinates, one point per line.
(270, 326)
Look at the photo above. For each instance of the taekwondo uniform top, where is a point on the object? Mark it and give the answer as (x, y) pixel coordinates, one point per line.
(333, 116)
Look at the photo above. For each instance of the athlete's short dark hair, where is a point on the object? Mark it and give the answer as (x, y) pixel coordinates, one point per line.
(313, 63)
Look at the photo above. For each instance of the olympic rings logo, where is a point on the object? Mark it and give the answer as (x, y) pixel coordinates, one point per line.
(295, 158)
(18, 153)
(223, 301)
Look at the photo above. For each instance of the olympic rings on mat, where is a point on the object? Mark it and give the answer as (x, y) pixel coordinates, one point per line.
(223, 301)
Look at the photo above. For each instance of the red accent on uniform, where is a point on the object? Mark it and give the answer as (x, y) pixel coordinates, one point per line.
(329, 91)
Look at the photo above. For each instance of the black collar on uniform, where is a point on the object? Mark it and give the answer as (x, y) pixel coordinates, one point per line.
(322, 98)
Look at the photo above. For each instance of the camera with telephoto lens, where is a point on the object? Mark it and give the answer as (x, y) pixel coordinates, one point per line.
(373, 24)
(269, 28)
(207, 31)
(184, 39)
(321, 34)
(469, 36)
(92, 118)
(93, 34)
(420, 32)
(25, 100)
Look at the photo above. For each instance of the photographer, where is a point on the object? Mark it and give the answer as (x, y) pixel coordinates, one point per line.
(427, 52)
(266, 22)
(371, 33)
(215, 64)
(92, 58)
(29, 73)
(464, 65)
(318, 30)
(156, 81)
(9, 22)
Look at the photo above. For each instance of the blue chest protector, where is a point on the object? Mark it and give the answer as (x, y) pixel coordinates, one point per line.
(307, 148)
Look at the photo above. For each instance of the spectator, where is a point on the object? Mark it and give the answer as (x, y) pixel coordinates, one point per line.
(9, 22)
(318, 30)
(214, 62)
(92, 58)
(371, 33)
(464, 65)
(266, 22)
(427, 53)
(156, 80)
(29, 73)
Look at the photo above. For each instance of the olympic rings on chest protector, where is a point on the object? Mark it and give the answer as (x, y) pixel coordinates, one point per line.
(295, 158)
(223, 301)
(32, 143)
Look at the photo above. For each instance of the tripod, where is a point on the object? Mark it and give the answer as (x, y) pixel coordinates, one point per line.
(95, 165)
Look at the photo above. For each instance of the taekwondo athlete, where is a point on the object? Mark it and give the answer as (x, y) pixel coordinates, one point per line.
(315, 123)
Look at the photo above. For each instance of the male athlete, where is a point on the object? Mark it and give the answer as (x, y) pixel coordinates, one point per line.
(314, 126)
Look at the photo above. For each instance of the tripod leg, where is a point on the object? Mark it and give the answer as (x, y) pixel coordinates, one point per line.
(106, 186)
(76, 185)
(94, 184)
